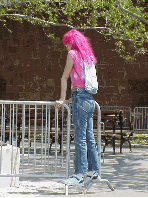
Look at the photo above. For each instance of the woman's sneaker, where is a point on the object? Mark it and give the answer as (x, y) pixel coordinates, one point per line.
(93, 176)
(76, 179)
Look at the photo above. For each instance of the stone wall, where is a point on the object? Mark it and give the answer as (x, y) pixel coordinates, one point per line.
(31, 65)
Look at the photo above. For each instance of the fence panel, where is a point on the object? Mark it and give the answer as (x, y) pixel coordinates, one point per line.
(31, 125)
(42, 134)
(141, 118)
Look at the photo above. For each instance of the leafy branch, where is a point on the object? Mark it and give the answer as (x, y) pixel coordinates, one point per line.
(38, 20)
(142, 19)
(124, 25)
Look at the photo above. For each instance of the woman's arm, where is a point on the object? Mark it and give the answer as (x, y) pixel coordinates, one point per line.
(66, 73)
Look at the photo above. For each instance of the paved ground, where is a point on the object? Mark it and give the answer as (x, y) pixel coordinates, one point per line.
(127, 172)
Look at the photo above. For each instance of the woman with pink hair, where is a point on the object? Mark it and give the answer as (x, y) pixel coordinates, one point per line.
(79, 50)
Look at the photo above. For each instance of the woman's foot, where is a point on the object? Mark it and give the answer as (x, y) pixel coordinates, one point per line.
(75, 179)
(93, 175)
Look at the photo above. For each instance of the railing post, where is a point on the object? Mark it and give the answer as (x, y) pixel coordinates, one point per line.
(23, 135)
(35, 123)
(99, 134)
(68, 141)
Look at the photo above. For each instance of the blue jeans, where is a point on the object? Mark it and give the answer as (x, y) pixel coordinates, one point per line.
(85, 146)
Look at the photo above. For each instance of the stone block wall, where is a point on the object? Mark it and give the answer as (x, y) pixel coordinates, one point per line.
(31, 66)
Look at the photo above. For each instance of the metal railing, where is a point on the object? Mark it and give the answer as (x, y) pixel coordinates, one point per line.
(33, 125)
(140, 118)
(33, 119)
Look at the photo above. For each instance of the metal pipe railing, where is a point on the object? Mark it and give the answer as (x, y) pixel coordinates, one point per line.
(36, 161)
(141, 118)
(31, 129)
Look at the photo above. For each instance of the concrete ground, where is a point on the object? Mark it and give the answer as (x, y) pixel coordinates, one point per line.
(127, 173)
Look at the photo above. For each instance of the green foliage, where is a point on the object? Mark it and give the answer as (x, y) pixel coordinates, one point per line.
(140, 139)
(118, 23)
(137, 138)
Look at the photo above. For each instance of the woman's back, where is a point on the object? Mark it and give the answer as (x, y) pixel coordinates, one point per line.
(77, 72)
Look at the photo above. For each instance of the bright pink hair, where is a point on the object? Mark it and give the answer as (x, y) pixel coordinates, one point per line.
(79, 42)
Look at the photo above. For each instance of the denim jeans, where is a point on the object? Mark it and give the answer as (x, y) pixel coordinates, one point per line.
(85, 146)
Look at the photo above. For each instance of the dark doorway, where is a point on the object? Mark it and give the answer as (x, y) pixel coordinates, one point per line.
(138, 92)
(2, 88)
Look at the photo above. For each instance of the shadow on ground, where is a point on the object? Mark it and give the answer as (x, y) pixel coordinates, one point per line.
(127, 172)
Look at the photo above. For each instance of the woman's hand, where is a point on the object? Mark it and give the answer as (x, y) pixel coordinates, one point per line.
(59, 103)
(69, 101)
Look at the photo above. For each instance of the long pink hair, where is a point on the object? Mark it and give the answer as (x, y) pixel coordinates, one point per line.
(80, 43)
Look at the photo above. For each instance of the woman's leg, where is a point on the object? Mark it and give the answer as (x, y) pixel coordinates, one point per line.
(93, 160)
(80, 122)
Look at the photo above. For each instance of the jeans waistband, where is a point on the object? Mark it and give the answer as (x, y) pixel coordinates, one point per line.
(77, 89)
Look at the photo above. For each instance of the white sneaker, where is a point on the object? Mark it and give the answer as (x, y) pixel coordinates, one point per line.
(75, 179)
(94, 176)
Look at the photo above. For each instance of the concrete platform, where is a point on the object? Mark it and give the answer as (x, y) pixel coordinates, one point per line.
(127, 172)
